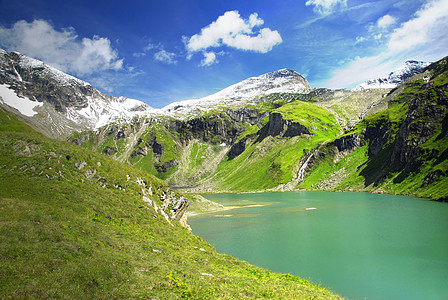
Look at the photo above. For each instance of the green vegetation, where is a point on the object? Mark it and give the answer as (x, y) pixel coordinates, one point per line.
(400, 145)
(272, 161)
(404, 147)
(73, 225)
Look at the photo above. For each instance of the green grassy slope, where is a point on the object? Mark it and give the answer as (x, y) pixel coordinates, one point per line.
(404, 148)
(272, 161)
(73, 225)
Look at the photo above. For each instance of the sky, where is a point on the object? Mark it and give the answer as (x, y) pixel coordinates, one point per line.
(162, 51)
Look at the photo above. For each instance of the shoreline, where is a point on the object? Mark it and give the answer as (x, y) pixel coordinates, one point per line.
(220, 209)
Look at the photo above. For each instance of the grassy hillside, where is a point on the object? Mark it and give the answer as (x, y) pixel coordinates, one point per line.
(274, 160)
(404, 149)
(193, 153)
(73, 224)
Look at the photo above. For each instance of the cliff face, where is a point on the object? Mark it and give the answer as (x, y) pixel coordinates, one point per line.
(277, 126)
(402, 149)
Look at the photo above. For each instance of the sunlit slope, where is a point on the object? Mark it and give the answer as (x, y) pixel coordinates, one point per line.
(271, 157)
(402, 149)
(76, 224)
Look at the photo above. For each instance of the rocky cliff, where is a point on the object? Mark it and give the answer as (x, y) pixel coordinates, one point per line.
(400, 150)
(268, 132)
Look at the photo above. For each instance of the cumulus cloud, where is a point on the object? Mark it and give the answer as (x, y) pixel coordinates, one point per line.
(61, 49)
(165, 57)
(423, 37)
(233, 31)
(326, 7)
(386, 21)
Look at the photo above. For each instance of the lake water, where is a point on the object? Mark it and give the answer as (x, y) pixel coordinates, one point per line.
(358, 245)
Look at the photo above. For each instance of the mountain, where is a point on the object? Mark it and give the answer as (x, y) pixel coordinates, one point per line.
(57, 103)
(377, 140)
(401, 150)
(395, 78)
(273, 132)
(249, 90)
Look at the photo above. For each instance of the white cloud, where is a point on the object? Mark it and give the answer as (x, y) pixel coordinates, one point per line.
(386, 21)
(326, 7)
(96, 53)
(209, 59)
(139, 54)
(360, 39)
(430, 23)
(423, 37)
(359, 70)
(61, 49)
(233, 31)
(378, 36)
(152, 46)
(165, 57)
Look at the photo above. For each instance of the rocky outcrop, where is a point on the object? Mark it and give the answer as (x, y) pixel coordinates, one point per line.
(277, 126)
(214, 129)
(377, 136)
(424, 117)
(243, 114)
(347, 143)
(238, 148)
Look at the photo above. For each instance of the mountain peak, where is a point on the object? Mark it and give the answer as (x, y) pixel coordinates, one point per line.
(395, 78)
(251, 89)
(283, 73)
(31, 87)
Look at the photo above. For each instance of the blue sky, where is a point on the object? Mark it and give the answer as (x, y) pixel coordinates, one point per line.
(165, 51)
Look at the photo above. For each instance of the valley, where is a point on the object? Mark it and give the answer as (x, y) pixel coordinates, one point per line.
(95, 188)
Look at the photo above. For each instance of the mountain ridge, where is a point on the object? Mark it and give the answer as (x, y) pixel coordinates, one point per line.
(274, 141)
(79, 106)
(396, 77)
(59, 97)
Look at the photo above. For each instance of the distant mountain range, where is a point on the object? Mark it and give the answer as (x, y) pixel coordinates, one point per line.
(271, 132)
(58, 104)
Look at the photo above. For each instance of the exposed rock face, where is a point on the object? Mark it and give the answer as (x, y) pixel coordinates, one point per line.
(237, 148)
(214, 129)
(246, 115)
(425, 116)
(377, 136)
(277, 126)
(348, 143)
(71, 103)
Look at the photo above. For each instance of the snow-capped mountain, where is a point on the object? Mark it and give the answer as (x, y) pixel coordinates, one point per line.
(400, 75)
(57, 102)
(251, 89)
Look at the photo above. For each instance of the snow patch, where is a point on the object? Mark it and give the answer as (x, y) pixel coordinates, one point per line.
(24, 105)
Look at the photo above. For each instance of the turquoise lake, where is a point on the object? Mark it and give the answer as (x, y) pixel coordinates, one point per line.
(358, 245)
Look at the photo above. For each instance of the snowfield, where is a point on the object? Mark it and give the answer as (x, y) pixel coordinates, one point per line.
(24, 105)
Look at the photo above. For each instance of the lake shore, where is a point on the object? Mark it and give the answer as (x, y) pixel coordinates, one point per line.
(201, 205)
